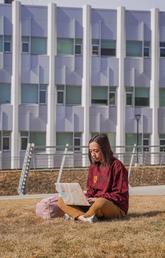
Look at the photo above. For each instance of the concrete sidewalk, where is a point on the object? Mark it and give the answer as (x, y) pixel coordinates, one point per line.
(147, 190)
(26, 196)
(137, 190)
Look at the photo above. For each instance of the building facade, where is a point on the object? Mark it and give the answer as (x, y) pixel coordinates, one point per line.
(68, 73)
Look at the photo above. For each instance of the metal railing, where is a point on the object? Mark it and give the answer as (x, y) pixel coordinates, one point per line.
(77, 156)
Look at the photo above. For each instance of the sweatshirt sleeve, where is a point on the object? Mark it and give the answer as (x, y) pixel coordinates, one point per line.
(119, 190)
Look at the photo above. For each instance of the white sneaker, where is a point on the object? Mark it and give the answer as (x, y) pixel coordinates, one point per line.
(91, 219)
(67, 217)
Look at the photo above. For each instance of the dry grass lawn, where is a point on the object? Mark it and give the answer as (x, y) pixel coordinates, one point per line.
(141, 234)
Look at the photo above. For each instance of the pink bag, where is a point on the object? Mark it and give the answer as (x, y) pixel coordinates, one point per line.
(47, 208)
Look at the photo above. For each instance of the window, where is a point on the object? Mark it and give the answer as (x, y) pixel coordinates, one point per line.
(62, 139)
(60, 94)
(69, 94)
(108, 47)
(72, 139)
(162, 97)
(146, 143)
(134, 48)
(112, 96)
(5, 44)
(100, 95)
(33, 93)
(25, 45)
(162, 49)
(146, 49)
(78, 46)
(141, 96)
(65, 46)
(5, 93)
(162, 142)
(112, 140)
(8, 1)
(73, 95)
(6, 143)
(77, 141)
(34, 45)
(129, 96)
(24, 140)
(29, 93)
(5, 140)
(1, 43)
(38, 46)
(95, 47)
(39, 139)
(131, 139)
(42, 93)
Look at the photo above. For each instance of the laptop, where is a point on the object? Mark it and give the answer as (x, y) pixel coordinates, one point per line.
(72, 194)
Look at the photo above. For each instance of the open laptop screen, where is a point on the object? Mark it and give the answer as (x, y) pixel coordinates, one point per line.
(72, 194)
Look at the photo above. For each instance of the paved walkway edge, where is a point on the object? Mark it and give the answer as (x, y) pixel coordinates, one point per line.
(24, 197)
(147, 190)
(136, 190)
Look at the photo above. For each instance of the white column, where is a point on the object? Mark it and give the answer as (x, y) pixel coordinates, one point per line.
(154, 84)
(51, 100)
(120, 127)
(15, 85)
(86, 80)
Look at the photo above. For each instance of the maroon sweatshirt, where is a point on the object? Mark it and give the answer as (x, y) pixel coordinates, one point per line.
(110, 183)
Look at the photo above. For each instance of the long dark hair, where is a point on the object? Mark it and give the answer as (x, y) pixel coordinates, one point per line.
(105, 147)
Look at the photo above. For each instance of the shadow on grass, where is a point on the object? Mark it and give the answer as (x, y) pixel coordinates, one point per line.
(143, 214)
(135, 215)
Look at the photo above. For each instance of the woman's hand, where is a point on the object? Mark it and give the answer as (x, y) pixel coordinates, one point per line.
(91, 199)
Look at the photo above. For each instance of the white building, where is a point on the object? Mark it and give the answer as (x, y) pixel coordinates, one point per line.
(67, 73)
